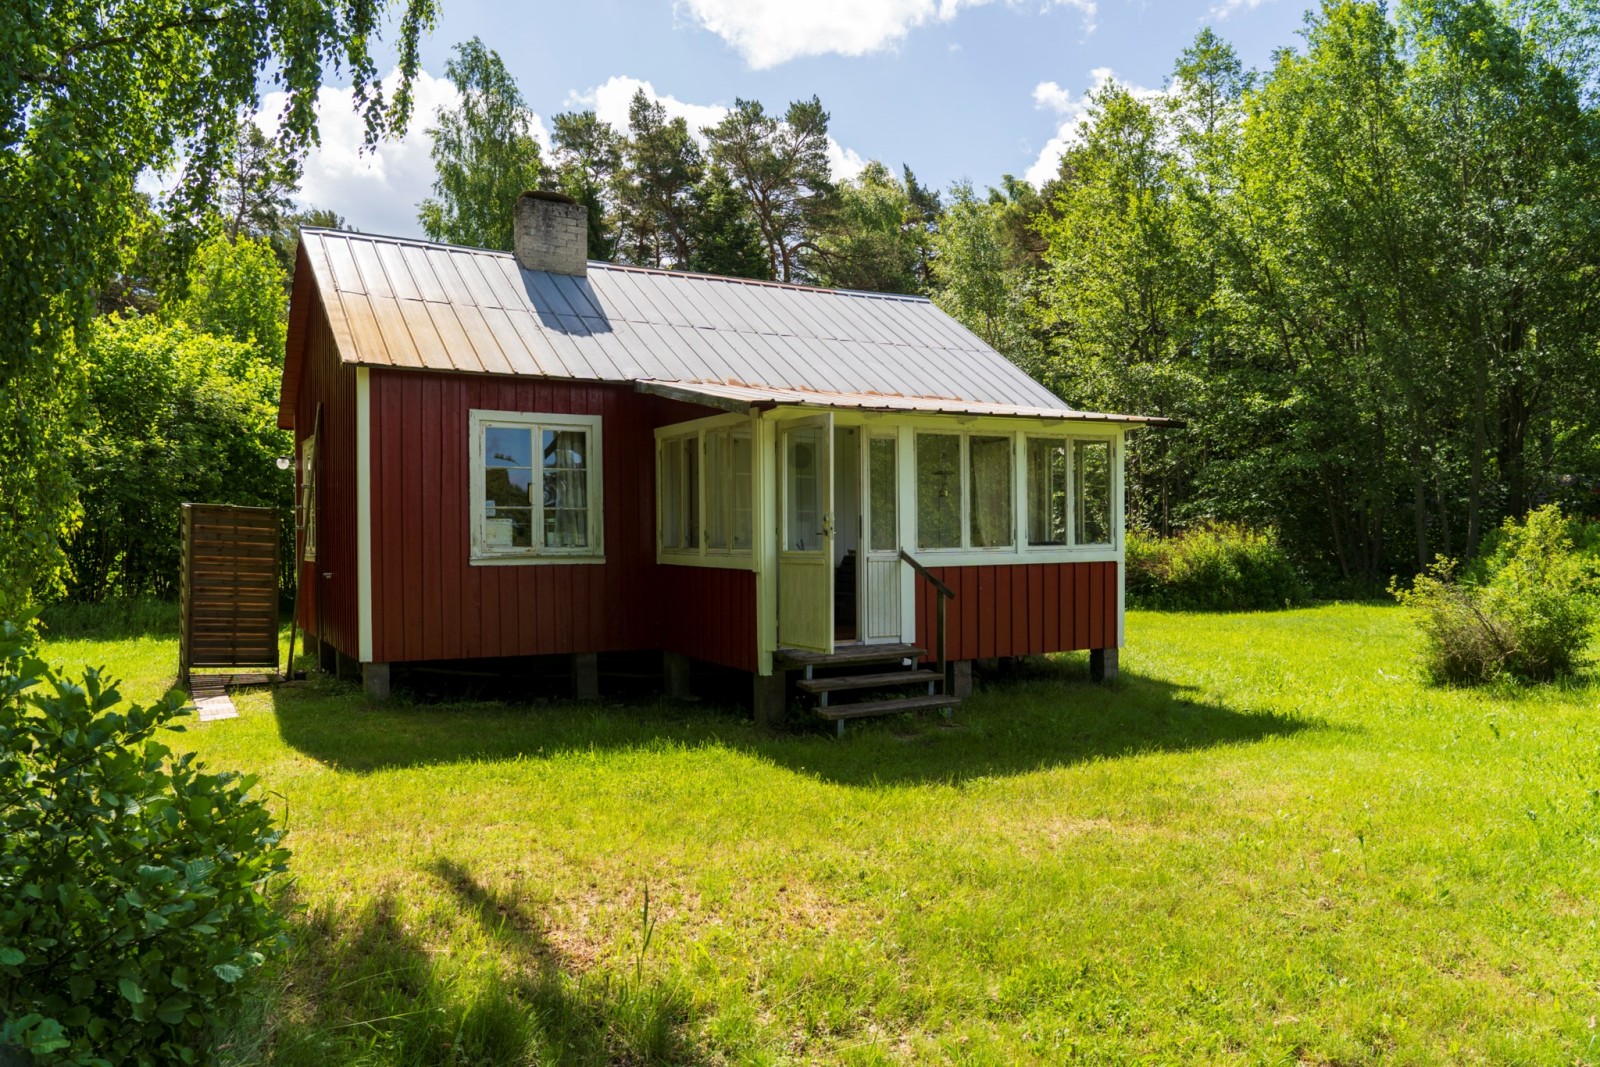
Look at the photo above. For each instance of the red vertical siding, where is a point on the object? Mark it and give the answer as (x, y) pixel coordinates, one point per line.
(430, 602)
(1023, 609)
(328, 605)
(712, 616)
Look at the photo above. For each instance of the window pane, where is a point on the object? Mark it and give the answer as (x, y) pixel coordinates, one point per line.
(938, 491)
(1047, 492)
(718, 489)
(743, 495)
(507, 446)
(883, 495)
(1092, 460)
(671, 495)
(507, 487)
(507, 527)
(691, 492)
(991, 491)
(803, 464)
(566, 488)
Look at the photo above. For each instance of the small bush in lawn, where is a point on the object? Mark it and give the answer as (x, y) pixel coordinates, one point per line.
(131, 881)
(1217, 567)
(1528, 607)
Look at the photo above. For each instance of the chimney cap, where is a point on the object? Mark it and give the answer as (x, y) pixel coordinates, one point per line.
(550, 195)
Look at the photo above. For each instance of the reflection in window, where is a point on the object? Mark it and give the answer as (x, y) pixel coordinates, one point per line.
(1092, 492)
(534, 492)
(938, 490)
(719, 477)
(743, 521)
(803, 469)
(566, 489)
(883, 494)
(990, 459)
(1047, 492)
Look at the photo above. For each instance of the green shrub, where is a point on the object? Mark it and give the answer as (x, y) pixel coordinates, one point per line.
(1217, 567)
(1527, 607)
(132, 883)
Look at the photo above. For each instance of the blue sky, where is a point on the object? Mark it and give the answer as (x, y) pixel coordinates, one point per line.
(956, 88)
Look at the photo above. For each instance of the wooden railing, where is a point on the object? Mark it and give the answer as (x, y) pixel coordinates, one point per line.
(945, 593)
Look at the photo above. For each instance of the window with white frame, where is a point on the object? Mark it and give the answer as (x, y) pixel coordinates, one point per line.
(308, 498)
(705, 495)
(536, 485)
(1069, 492)
(964, 491)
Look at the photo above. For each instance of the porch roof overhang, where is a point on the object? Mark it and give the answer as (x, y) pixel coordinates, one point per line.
(747, 399)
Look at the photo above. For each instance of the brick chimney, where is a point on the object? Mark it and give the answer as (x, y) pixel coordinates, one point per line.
(552, 233)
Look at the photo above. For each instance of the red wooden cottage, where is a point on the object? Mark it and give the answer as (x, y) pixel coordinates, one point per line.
(531, 454)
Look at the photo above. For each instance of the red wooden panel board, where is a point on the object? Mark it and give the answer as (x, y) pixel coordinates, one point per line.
(1022, 609)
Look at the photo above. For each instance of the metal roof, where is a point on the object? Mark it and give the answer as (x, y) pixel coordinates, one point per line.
(393, 302)
(744, 398)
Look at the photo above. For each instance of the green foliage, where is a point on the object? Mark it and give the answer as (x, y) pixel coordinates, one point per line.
(1529, 609)
(781, 163)
(724, 239)
(484, 153)
(91, 96)
(875, 235)
(588, 160)
(178, 415)
(132, 882)
(983, 277)
(1215, 567)
(236, 289)
(655, 186)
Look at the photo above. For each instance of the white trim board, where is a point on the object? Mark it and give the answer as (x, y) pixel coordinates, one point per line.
(364, 511)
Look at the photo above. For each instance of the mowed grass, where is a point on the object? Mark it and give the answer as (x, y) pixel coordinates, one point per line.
(1269, 842)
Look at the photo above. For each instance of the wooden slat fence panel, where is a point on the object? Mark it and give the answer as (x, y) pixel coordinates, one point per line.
(228, 588)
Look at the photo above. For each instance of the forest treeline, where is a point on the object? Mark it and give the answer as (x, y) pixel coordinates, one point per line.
(1364, 278)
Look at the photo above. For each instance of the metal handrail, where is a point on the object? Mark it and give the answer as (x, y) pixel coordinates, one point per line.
(945, 593)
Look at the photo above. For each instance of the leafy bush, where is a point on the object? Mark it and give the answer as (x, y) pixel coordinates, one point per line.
(1527, 607)
(1218, 567)
(131, 882)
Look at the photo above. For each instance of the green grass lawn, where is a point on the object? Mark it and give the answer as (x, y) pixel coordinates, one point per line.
(1268, 843)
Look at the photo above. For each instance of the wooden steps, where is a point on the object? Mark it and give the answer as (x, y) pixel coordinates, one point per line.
(868, 708)
(887, 680)
(867, 675)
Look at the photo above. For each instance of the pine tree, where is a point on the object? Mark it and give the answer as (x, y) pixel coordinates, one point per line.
(725, 238)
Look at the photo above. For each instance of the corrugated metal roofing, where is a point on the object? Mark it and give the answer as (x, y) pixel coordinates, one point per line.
(401, 303)
(745, 397)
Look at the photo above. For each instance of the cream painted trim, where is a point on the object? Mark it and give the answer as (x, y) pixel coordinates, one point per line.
(364, 512)
(705, 556)
(718, 560)
(595, 552)
(766, 542)
(1119, 522)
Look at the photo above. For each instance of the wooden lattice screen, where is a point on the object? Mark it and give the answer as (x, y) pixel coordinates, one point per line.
(229, 588)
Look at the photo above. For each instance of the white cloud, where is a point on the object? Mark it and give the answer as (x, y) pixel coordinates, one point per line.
(1050, 96)
(377, 189)
(769, 32)
(1224, 8)
(610, 101)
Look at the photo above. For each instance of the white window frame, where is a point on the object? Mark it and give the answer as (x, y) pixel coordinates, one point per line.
(481, 420)
(1072, 441)
(965, 476)
(702, 555)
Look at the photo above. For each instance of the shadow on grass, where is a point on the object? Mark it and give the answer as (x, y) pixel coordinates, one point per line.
(1046, 715)
(361, 986)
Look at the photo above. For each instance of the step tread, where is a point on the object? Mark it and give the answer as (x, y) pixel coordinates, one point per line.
(847, 655)
(865, 681)
(885, 707)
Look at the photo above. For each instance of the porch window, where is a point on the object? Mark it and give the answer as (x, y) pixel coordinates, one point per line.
(991, 497)
(1069, 489)
(1091, 462)
(884, 491)
(535, 485)
(939, 490)
(705, 496)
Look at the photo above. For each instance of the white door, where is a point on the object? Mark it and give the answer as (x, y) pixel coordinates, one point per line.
(805, 532)
(880, 537)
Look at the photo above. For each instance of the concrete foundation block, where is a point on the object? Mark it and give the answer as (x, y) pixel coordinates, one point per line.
(375, 680)
(1103, 664)
(586, 675)
(959, 683)
(675, 675)
(770, 693)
